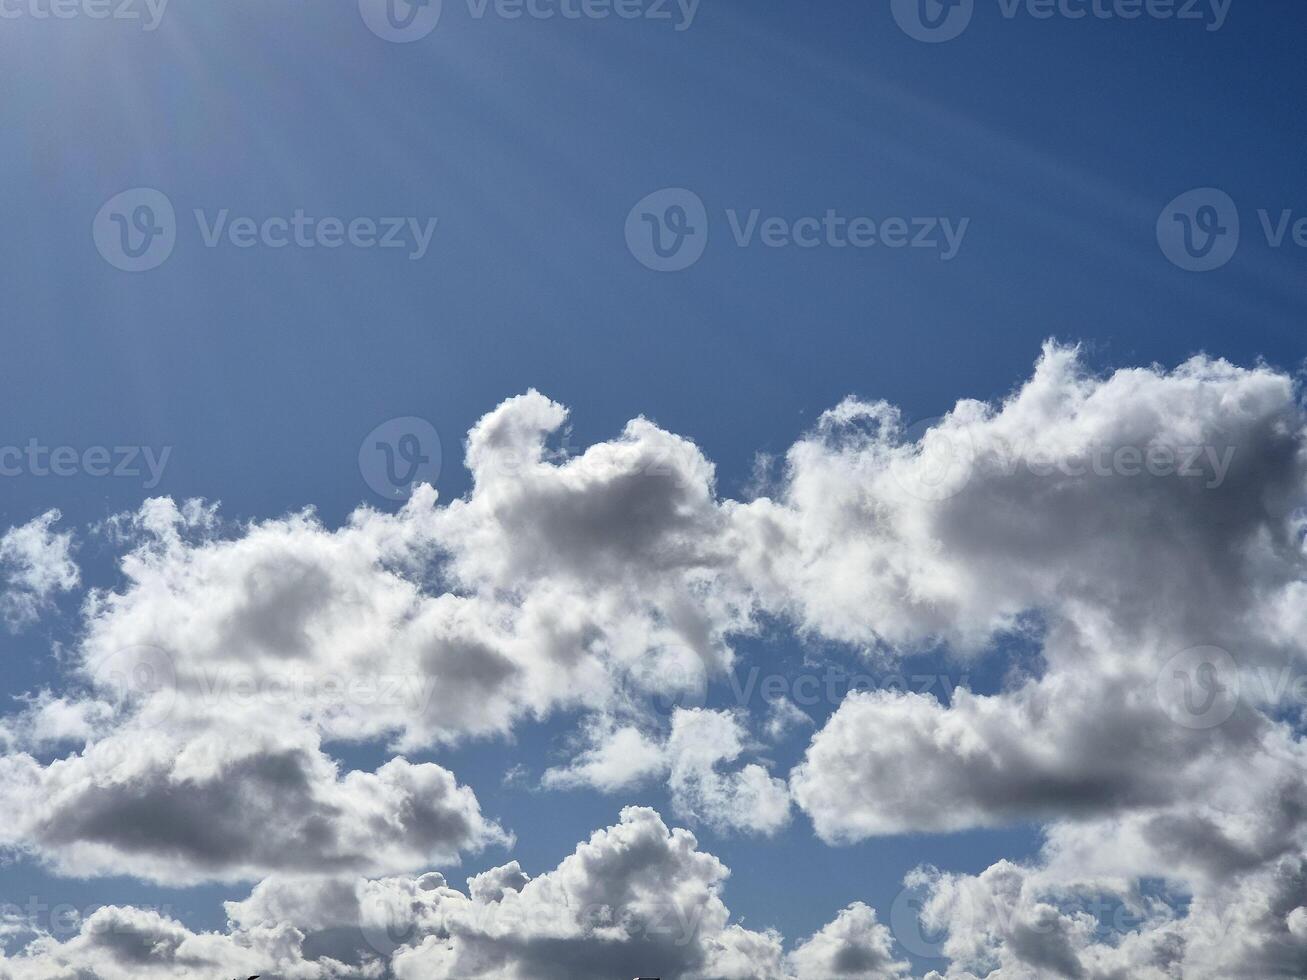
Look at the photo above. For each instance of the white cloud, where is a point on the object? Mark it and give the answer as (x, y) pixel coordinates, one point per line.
(784, 716)
(1124, 568)
(126, 943)
(748, 799)
(1144, 764)
(853, 945)
(1069, 746)
(233, 805)
(1115, 520)
(35, 564)
(881, 535)
(692, 757)
(636, 899)
(561, 580)
(616, 758)
(1029, 923)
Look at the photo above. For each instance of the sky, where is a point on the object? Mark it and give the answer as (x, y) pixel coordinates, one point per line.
(271, 269)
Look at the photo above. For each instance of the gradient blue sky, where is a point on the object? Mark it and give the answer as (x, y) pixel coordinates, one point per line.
(530, 140)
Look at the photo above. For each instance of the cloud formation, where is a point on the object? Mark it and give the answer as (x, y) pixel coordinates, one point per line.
(1116, 572)
(35, 564)
(692, 758)
(1142, 530)
(636, 899)
(227, 805)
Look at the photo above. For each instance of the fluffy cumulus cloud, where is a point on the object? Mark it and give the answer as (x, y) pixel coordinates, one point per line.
(1030, 922)
(35, 565)
(1161, 498)
(1145, 529)
(747, 798)
(226, 805)
(636, 899)
(854, 945)
(693, 759)
(231, 654)
(125, 943)
(589, 581)
(1142, 530)
(614, 759)
(1126, 519)
(896, 763)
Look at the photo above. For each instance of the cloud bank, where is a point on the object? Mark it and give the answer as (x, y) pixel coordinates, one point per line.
(1142, 530)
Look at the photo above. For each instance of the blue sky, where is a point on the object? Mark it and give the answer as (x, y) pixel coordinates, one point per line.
(529, 141)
